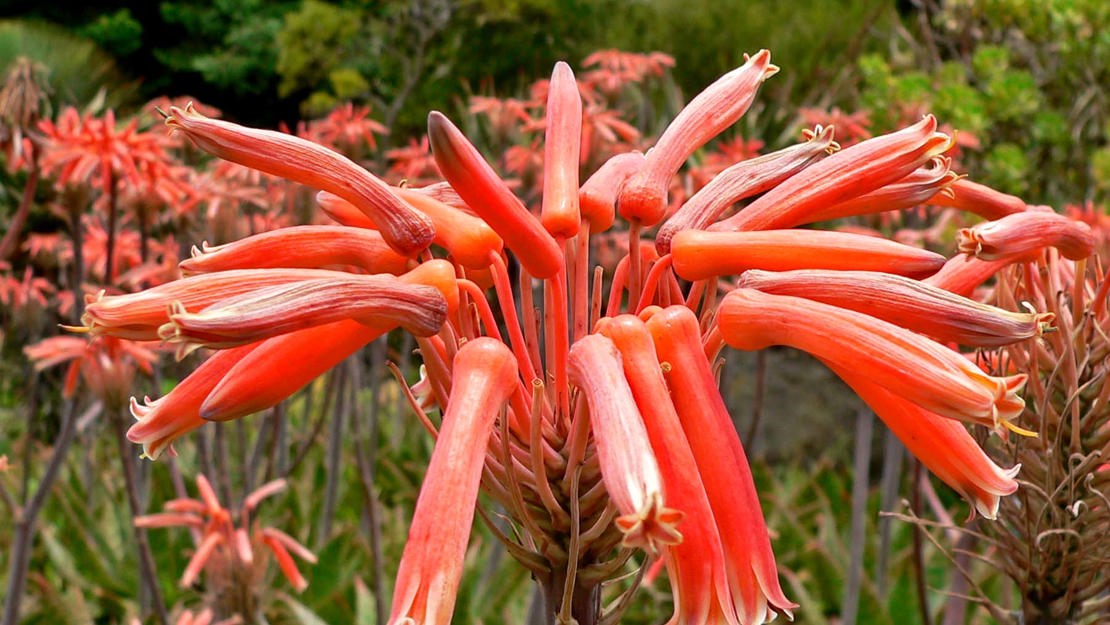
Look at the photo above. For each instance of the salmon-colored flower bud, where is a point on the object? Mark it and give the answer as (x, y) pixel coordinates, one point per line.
(942, 445)
(308, 163)
(167, 418)
(749, 562)
(597, 199)
(742, 180)
(137, 316)
(280, 545)
(963, 274)
(343, 211)
(696, 566)
(307, 247)
(484, 192)
(644, 197)
(468, 239)
(979, 199)
(562, 146)
(200, 557)
(282, 366)
(628, 465)
(850, 173)
(910, 365)
(274, 310)
(911, 304)
(484, 376)
(917, 188)
(700, 254)
(1021, 234)
(444, 192)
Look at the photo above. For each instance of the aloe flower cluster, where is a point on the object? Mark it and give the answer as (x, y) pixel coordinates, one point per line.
(582, 398)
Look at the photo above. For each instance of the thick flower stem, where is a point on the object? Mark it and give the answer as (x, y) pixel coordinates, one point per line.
(585, 601)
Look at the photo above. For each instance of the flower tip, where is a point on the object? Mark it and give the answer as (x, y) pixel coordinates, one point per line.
(75, 329)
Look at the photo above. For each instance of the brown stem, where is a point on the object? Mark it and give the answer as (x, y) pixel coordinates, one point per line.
(918, 546)
(10, 242)
(110, 244)
(147, 572)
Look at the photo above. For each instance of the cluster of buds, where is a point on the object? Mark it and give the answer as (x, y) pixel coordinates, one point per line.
(230, 550)
(582, 399)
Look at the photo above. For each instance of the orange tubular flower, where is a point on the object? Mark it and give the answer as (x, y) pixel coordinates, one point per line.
(850, 173)
(137, 316)
(979, 199)
(911, 304)
(467, 238)
(597, 199)
(266, 312)
(942, 445)
(696, 566)
(624, 452)
(562, 146)
(307, 247)
(484, 378)
(908, 364)
(701, 254)
(644, 197)
(743, 180)
(1018, 235)
(484, 192)
(723, 465)
(917, 188)
(407, 231)
(165, 419)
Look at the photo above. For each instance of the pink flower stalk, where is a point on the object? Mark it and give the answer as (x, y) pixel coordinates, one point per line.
(643, 198)
(612, 429)
(432, 564)
(923, 372)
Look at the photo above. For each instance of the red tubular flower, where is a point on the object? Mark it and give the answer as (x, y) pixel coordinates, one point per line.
(721, 104)
(486, 194)
(1018, 235)
(137, 316)
(911, 304)
(908, 364)
(307, 247)
(167, 418)
(628, 465)
(701, 254)
(742, 180)
(979, 199)
(406, 230)
(467, 238)
(270, 311)
(850, 173)
(284, 364)
(942, 445)
(696, 566)
(963, 274)
(597, 199)
(723, 465)
(484, 377)
(561, 149)
(920, 186)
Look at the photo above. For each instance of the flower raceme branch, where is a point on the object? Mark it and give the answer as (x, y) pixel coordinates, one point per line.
(582, 398)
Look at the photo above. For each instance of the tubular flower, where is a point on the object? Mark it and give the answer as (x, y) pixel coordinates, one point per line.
(485, 376)
(911, 304)
(579, 393)
(643, 198)
(406, 230)
(624, 453)
(1019, 235)
(923, 372)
